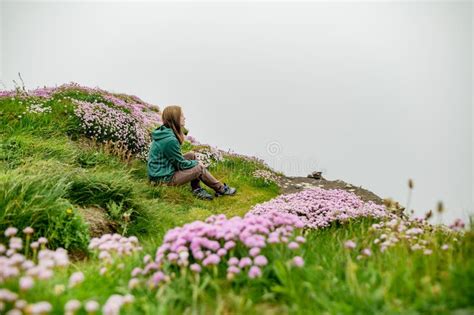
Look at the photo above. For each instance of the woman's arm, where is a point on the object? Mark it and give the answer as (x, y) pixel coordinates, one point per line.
(173, 153)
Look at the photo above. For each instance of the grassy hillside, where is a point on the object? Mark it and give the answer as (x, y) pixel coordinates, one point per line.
(73, 167)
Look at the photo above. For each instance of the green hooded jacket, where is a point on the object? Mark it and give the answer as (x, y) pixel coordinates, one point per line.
(165, 157)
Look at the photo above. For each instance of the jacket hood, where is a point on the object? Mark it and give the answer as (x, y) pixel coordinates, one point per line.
(162, 132)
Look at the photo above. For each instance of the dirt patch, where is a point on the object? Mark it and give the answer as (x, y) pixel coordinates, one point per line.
(99, 224)
(290, 185)
(98, 221)
(77, 255)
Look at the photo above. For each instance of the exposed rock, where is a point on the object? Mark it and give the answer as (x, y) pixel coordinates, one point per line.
(98, 221)
(316, 175)
(298, 183)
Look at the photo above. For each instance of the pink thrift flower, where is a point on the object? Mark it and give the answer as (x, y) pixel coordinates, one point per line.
(158, 277)
(427, 252)
(298, 261)
(21, 304)
(28, 230)
(212, 259)
(195, 268)
(233, 261)
(11, 231)
(15, 243)
(113, 305)
(254, 251)
(233, 269)
(76, 278)
(42, 240)
(457, 225)
(133, 283)
(92, 306)
(416, 247)
(136, 271)
(173, 256)
(40, 308)
(293, 245)
(254, 272)
(72, 306)
(146, 259)
(260, 260)
(229, 245)
(44, 274)
(199, 255)
(300, 239)
(26, 283)
(222, 252)
(244, 262)
(350, 244)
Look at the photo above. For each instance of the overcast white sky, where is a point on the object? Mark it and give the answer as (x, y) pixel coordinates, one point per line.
(371, 93)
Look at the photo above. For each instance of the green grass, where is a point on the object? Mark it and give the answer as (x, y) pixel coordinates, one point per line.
(46, 169)
(333, 281)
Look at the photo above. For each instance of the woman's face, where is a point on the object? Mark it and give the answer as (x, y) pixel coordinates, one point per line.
(183, 119)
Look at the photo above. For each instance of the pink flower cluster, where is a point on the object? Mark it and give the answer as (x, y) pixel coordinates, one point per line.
(15, 264)
(115, 302)
(43, 92)
(266, 175)
(457, 225)
(147, 114)
(27, 270)
(109, 247)
(102, 122)
(208, 155)
(8, 93)
(350, 245)
(112, 306)
(114, 245)
(318, 207)
(192, 140)
(248, 158)
(237, 244)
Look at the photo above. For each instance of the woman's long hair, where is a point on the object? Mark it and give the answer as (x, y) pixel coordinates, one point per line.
(171, 117)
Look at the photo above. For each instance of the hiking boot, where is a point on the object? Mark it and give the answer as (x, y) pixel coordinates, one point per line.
(226, 191)
(201, 193)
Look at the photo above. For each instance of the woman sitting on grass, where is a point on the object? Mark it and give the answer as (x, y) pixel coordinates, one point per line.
(167, 165)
